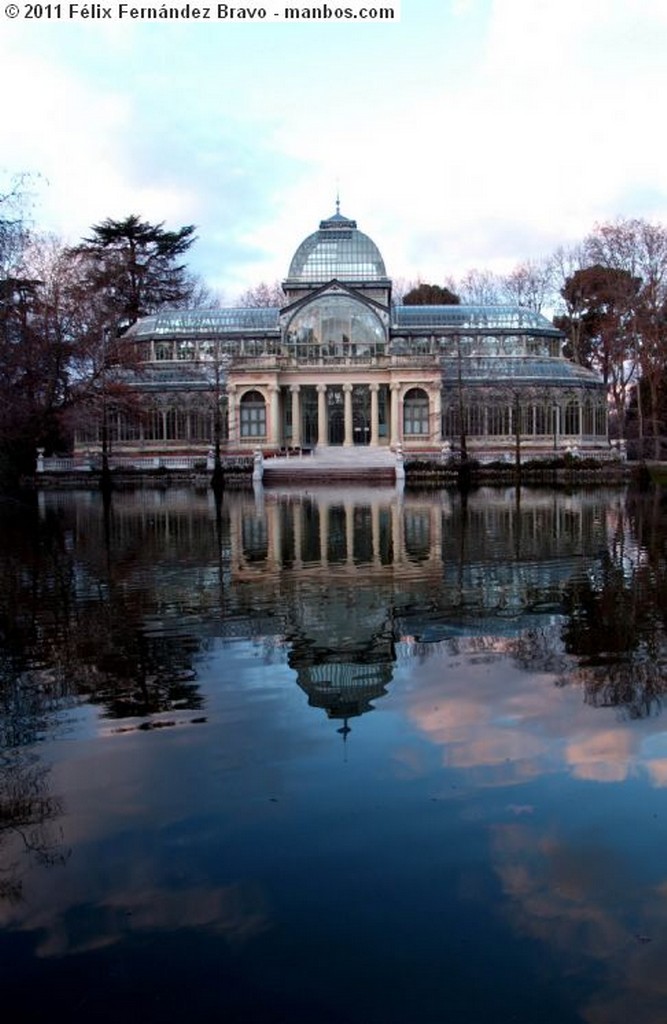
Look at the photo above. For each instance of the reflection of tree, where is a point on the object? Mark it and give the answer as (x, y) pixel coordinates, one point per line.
(540, 650)
(100, 630)
(614, 627)
(27, 809)
(27, 816)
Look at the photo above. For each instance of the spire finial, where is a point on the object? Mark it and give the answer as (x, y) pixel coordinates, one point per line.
(337, 200)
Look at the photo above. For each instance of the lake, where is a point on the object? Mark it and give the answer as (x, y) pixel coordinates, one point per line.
(345, 756)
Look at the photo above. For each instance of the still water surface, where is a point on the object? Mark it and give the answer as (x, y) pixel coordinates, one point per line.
(345, 757)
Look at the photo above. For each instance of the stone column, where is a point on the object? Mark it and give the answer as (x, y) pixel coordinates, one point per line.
(322, 431)
(394, 437)
(347, 395)
(296, 415)
(231, 416)
(274, 409)
(375, 425)
(436, 430)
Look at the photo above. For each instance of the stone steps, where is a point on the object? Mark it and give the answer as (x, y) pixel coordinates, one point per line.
(377, 464)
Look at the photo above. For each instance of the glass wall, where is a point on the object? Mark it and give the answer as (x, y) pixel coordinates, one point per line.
(336, 329)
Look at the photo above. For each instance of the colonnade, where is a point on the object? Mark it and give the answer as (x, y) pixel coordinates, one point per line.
(384, 420)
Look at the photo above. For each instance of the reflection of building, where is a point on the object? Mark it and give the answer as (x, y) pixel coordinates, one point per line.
(336, 580)
(340, 365)
(344, 690)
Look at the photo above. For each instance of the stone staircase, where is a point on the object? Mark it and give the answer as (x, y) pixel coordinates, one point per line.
(360, 463)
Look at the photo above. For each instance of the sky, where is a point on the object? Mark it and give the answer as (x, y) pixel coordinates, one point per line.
(466, 134)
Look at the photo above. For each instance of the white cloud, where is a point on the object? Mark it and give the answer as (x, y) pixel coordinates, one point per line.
(483, 135)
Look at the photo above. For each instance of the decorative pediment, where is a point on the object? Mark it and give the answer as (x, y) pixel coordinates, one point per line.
(334, 288)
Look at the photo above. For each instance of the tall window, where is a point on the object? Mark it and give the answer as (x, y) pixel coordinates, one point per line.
(164, 350)
(498, 419)
(571, 423)
(415, 412)
(253, 415)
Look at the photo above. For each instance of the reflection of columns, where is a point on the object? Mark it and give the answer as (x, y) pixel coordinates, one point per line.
(231, 414)
(322, 431)
(296, 415)
(347, 396)
(274, 536)
(349, 530)
(297, 521)
(374, 388)
(436, 533)
(394, 438)
(436, 432)
(324, 533)
(274, 400)
(375, 532)
(397, 533)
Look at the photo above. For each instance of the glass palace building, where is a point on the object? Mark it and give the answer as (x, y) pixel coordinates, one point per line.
(339, 364)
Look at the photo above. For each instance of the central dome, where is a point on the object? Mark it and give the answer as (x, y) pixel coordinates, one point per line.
(338, 250)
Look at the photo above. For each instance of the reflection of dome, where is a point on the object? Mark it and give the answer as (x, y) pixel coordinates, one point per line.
(344, 690)
(338, 250)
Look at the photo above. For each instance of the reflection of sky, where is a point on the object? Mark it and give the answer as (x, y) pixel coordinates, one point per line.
(482, 814)
(485, 711)
(583, 875)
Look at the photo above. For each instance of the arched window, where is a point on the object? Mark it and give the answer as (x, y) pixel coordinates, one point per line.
(153, 424)
(201, 427)
(176, 421)
(571, 421)
(543, 424)
(498, 419)
(253, 415)
(475, 420)
(164, 350)
(415, 412)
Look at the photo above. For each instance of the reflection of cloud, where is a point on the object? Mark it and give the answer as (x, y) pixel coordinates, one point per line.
(657, 770)
(409, 763)
(574, 896)
(236, 912)
(505, 724)
(602, 756)
(485, 713)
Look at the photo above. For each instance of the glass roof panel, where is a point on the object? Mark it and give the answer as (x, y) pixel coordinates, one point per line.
(492, 370)
(471, 317)
(193, 322)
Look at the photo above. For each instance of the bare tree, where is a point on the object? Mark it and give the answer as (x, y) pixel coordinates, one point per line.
(530, 284)
(640, 249)
(480, 288)
(264, 295)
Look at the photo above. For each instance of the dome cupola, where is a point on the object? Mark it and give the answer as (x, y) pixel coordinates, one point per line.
(338, 250)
